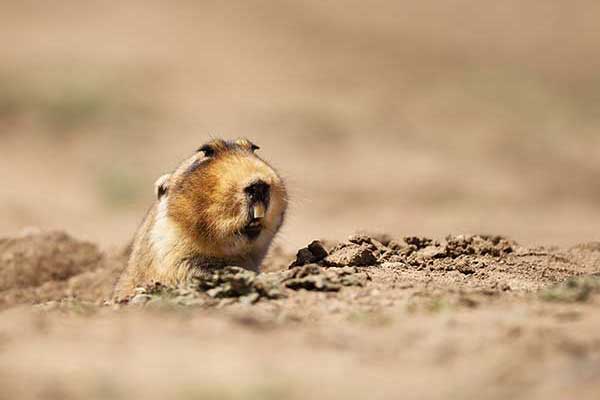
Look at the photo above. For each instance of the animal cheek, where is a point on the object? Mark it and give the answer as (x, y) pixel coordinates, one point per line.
(233, 203)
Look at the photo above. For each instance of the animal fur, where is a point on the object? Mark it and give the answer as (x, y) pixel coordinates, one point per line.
(199, 218)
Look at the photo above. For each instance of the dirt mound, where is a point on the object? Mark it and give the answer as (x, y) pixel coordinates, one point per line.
(314, 277)
(363, 313)
(45, 266)
(459, 270)
(247, 287)
(37, 258)
(40, 266)
(211, 286)
(364, 250)
(463, 270)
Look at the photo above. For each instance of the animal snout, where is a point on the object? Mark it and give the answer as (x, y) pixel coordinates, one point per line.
(259, 191)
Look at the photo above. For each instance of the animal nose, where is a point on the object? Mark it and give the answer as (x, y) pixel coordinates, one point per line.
(259, 191)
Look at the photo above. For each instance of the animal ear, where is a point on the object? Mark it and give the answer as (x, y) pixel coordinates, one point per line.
(208, 150)
(161, 186)
(247, 144)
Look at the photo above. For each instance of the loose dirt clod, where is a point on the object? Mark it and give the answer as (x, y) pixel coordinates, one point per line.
(238, 282)
(351, 254)
(158, 295)
(463, 253)
(52, 266)
(495, 246)
(366, 303)
(313, 253)
(315, 277)
(418, 242)
(223, 283)
(248, 287)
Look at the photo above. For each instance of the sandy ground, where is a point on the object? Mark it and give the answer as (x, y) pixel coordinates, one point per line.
(464, 317)
(414, 119)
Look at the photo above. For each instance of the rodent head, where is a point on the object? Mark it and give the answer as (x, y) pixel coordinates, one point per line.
(225, 198)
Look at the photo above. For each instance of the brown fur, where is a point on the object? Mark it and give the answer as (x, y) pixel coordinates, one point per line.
(197, 220)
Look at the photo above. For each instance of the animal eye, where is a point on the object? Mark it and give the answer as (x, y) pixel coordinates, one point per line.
(161, 186)
(207, 150)
(161, 191)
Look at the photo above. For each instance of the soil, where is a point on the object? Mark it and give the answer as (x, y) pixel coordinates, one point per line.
(371, 317)
(416, 119)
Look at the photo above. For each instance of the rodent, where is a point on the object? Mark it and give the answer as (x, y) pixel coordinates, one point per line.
(222, 206)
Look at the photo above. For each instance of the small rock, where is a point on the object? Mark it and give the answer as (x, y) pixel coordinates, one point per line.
(140, 299)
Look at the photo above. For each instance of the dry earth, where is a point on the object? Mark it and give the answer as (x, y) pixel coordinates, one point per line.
(372, 317)
(411, 118)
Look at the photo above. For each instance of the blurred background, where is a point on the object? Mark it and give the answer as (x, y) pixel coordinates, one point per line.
(429, 117)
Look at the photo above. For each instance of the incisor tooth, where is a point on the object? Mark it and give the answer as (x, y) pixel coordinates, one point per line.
(258, 211)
